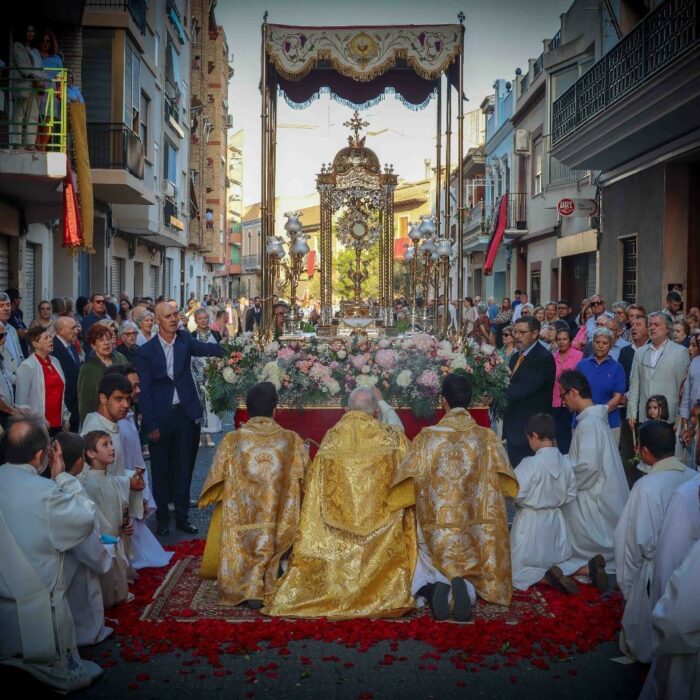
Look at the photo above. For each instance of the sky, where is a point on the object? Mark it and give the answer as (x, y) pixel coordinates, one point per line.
(500, 36)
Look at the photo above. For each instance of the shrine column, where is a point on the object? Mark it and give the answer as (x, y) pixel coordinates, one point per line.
(326, 252)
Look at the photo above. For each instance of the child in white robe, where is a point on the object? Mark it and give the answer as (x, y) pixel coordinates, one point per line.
(538, 540)
(84, 564)
(111, 496)
(637, 534)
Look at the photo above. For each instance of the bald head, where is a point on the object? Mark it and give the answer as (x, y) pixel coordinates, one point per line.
(167, 318)
(363, 400)
(26, 441)
(66, 328)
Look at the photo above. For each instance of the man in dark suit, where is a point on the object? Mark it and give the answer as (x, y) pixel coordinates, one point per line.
(66, 354)
(253, 317)
(171, 411)
(531, 386)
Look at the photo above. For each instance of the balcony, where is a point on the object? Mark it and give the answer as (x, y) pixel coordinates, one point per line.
(251, 263)
(556, 173)
(642, 94)
(117, 13)
(479, 221)
(117, 164)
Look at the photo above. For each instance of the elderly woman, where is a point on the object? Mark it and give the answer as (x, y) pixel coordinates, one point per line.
(101, 341)
(211, 423)
(619, 309)
(128, 334)
(606, 377)
(144, 319)
(550, 311)
(681, 333)
(481, 331)
(44, 318)
(41, 384)
(566, 357)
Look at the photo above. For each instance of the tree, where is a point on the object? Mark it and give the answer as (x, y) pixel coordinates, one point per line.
(344, 264)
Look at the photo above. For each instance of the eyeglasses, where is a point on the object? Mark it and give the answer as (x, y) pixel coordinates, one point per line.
(563, 394)
(596, 303)
(129, 333)
(98, 301)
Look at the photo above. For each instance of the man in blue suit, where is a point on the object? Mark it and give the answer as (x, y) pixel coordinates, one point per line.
(171, 412)
(66, 354)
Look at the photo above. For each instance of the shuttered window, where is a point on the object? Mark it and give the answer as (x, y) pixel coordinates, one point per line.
(4, 262)
(97, 74)
(153, 290)
(168, 278)
(132, 87)
(29, 298)
(117, 277)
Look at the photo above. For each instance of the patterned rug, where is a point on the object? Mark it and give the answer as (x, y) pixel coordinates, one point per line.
(184, 597)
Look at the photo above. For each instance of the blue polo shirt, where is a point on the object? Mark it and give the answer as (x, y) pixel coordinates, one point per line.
(606, 379)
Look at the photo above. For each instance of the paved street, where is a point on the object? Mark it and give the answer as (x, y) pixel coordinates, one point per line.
(318, 669)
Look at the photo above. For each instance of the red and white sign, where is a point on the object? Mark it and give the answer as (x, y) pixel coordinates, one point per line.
(577, 207)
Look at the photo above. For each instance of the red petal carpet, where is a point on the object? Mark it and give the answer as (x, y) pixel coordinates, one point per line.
(173, 610)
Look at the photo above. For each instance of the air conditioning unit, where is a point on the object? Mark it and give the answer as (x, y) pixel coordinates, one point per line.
(522, 141)
(229, 121)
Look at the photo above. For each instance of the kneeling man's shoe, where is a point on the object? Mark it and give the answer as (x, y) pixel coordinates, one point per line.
(555, 577)
(596, 572)
(460, 598)
(254, 604)
(440, 601)
(186, 526)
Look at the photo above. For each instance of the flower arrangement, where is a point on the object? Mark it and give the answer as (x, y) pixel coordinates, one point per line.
(407, 370)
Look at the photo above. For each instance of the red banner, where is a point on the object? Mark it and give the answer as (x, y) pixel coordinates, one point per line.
(310, 262)
(497, 235)
(72, 231)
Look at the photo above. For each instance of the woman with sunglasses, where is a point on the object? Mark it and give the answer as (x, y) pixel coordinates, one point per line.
(508, 344)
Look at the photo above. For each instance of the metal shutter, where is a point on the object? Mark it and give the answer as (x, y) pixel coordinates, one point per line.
(117, 277)
(590, 276)
(97, 74)
(168, 278)
(29, 299)
(4, 263)
(153, 290)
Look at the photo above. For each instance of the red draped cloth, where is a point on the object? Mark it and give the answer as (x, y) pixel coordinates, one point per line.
(312, 423)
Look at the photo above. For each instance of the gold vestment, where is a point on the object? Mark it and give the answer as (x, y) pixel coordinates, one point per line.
(255, 482)
(355, 548)
(460, 474)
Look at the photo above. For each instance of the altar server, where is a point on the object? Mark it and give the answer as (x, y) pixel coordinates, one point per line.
(255, 482)
(111, 496)
(602, 486)
(146, 551)
(637, 533)
(460, 474)
(85, 563)
(40, 520)
(675, 673)
(354, 550)
(538, 541)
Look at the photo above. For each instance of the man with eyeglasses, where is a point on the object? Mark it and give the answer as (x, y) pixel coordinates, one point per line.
(658, 368)
(598, 309)
(531, 386)
(97, 313)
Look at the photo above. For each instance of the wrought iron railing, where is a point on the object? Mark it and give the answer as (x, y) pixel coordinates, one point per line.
(537, 67)
(555, 41)
(484, 211)
(171, 110)
(660, 38)
(36, 107)
(115, 147)
(136, 8)
(556, 173)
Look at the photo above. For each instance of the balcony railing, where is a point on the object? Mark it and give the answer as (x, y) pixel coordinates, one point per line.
(171, 110)
(537, 67)
(251, 263)
(115, 147)
(556, 172)
(482, 213)
(136, 8)
(36, 109)
(555, 41)
(659, 39)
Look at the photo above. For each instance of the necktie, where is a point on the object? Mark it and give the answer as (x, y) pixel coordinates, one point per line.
(518, 362)
(74, 354)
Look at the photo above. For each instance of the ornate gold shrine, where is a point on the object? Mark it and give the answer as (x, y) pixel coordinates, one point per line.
(356, 185)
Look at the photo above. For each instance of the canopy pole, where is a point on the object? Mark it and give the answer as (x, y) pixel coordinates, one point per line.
(265, 283)
(460, 177)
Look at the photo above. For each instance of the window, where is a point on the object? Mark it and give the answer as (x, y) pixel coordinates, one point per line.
(629, 269)
(170, 162)
(144, 117)
(563, 80)
(403, 227)
(132, 88)
(535, 284)
(537, 149)
(235, 255)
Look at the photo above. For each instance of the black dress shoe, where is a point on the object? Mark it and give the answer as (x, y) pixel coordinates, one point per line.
(163, 530)
(186, 526)
(461, 600)
(440, 601)
(254, 604)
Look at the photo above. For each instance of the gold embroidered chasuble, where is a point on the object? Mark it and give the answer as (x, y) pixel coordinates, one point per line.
(255, 482)
(355, 548)
(460, 474)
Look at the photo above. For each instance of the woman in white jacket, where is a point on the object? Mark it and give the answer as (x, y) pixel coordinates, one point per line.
(40, 384)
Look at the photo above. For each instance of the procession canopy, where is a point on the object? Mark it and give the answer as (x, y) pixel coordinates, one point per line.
(359, 65)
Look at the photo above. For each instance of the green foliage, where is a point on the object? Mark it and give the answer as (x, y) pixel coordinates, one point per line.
(344, 264)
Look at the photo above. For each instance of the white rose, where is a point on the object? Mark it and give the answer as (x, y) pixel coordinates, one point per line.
(342, 354)
(323, 348)
(404, 379)
(367, 381)
(458, 361)
(272, 347)
(487, 349)
(384, 343)
(333, 387)
(229, 375)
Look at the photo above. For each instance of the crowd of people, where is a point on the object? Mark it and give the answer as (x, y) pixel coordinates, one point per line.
(598, 474)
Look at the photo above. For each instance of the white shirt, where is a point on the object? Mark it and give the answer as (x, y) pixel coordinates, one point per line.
(169, 351)
(654, 353)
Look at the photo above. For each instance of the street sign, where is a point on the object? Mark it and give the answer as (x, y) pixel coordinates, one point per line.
(577, 207)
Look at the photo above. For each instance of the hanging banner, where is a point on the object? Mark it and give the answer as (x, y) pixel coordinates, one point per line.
(497, 235)
(72, 232)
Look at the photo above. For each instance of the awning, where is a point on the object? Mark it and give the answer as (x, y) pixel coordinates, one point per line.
(578, 243)
(499, 227)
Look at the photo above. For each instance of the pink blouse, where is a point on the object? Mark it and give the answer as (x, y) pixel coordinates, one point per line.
(573, 357)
